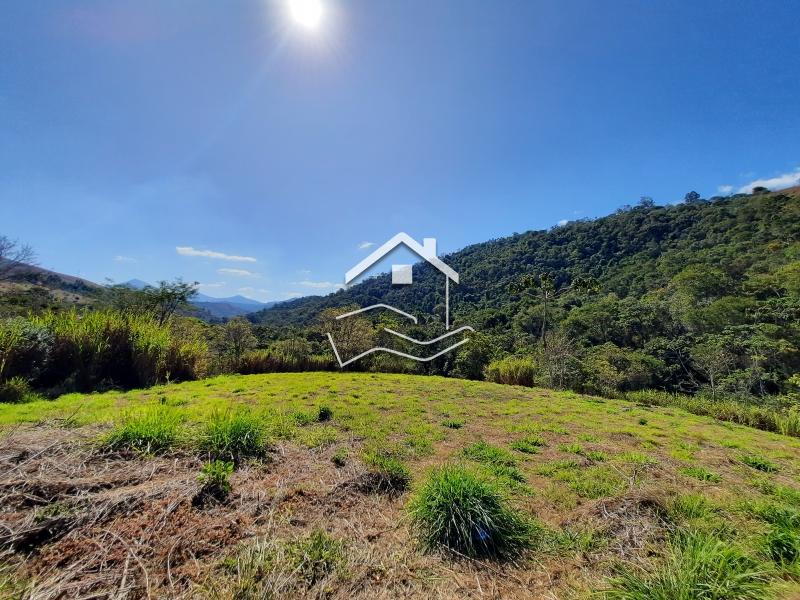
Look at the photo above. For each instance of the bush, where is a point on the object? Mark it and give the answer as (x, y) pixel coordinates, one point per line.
(233, 435)
(512, 370)
(461, 512)
(698, 566)
(339, 457)
(277, 359)
(385, 471)
(324, 413)
(151, 430)
(25, 349)
(214, 480)
(15, 390)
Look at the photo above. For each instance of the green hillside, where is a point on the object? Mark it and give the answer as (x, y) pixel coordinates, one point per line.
(331, 472)
(693, 296)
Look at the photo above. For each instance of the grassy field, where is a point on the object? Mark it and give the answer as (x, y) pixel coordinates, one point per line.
(616, 499)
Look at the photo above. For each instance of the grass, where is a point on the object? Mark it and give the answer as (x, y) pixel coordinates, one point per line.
(398, 426)
(457, 510)
(152, 430)
(233, 435)
(697, 567)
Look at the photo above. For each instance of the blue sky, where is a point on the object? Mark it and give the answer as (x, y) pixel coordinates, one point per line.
(225, 143)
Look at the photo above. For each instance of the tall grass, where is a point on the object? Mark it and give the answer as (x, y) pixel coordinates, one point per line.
(512, 370)
(767, 418)
(153, 430)
(697, 567)
(233, 435)
(277, 361)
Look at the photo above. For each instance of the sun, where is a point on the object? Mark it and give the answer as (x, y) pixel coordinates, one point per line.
(307, 13)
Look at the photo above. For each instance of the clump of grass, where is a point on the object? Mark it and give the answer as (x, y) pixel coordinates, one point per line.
(499, 461)
(150, 431)
(701, 474)
(386, 472)
(530, 444)
(459, 511)
(642, 421)
(758, 462)
(233, 436)
(303, 417)
(339, 457)
(453, 423)
(214, 480)
(571, 448)
(697, 566)
(324, 413)
(690, 506)
(316, 556)
(593, 482)
(16, 391)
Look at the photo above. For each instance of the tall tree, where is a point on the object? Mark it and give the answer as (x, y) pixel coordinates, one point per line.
(14, 256)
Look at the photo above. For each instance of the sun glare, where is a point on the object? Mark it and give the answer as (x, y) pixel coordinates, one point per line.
(307, 13)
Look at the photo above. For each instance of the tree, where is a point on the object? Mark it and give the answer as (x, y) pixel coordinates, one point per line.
(544, 289)
(558, 356)
(692, 197)
(646, 202)
(352, 335)
(159, 302)
(233, 339)
(14, 256)
(713, 359)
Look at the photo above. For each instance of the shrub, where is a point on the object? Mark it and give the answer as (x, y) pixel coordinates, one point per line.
(151, 430)
(15, 390)
(214, 479)
(512, 370)
(385, 471)
(233, 435)
(457, 510)
(697, 566)
(25, 348)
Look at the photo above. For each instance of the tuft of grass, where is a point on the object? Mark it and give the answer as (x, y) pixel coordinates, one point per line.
(457, 510)
(150, 431)
(697, 567)
(690, 506)
(339, 457)
(499, 461)
(758, 462)
(233, 435)
(453, 423)
(530, 444)
(319, 437)
(316, 556)
(324, 413)
(571, 448)
(386, 472)
(701, 474)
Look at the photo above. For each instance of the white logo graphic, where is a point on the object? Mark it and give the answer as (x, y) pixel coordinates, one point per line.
(402, 275)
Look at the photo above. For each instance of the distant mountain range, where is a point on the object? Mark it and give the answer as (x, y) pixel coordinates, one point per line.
(220, 308)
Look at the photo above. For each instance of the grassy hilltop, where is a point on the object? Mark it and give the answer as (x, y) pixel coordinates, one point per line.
(328, 485)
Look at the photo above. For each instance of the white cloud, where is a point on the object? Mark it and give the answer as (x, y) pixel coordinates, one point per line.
(125, 259)
(562, 222)
(774, 183)
(189, 251)
(252, 290)
(725, 189)
(365, 245)
(319, 285)
(290, 295)
(218, 284)
(237, 272)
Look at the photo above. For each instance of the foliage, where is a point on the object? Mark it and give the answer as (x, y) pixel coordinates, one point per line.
(513, 370)
(214, 479)
(457, 510)
(15, 390)
(386, 471)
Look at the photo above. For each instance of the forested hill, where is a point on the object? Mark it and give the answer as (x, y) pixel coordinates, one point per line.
(710, 249)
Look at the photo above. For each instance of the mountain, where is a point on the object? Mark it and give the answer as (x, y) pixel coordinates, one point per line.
(633, 252)
(212, 308)
(34, 288)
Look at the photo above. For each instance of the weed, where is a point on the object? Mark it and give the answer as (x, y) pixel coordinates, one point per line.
(453, 423)
(701, 474)
(385, 471)
(530, 444)
(319, 437)
(16, 390)
(689, 506)
(316, 556)
(233, 435)
(458, 510)
(214, 480)
(498, 461)
(151, 430)
(324, 413)
(571, 448)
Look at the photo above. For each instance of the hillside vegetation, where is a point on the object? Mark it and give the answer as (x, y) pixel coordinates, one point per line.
(359, 485)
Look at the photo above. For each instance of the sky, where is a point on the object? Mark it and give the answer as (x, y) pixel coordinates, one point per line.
(231, 144)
